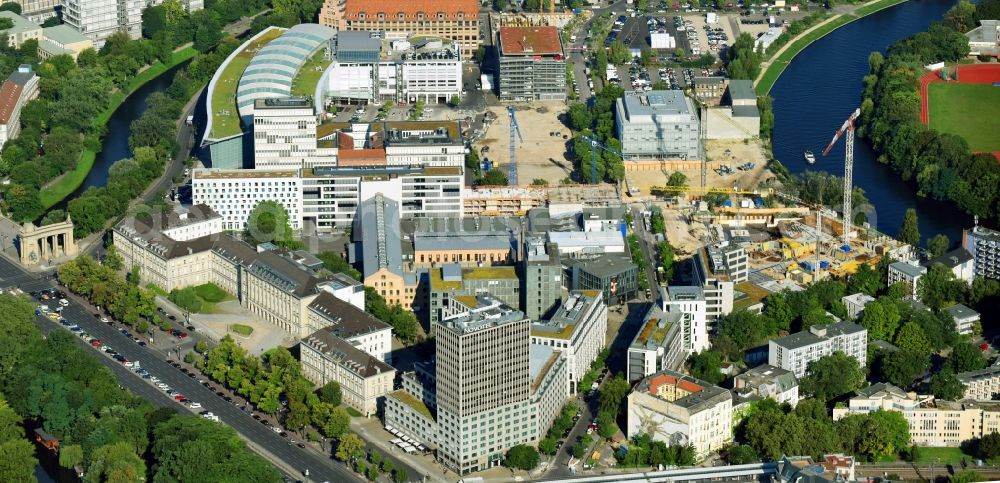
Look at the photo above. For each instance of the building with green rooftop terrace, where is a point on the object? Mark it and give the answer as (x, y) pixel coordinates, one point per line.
(451, 281)
(579, 329)
(263, 67)
(657, 346)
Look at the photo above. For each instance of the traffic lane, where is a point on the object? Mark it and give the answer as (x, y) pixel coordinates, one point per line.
(244, 424)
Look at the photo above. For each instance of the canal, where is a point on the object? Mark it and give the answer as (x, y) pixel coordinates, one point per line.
(114, 146)
(820, 89)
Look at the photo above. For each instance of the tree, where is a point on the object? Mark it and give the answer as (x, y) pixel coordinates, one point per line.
(707, 366)
(989, 446)
(522, 457)
(741, 455)
(350, 447)
(607, 428)
(455, 100)
(966, 476)
(944, 385)
(268, 222)
(888, 434)
(903, 366)
(965, 356)
(832, 376)
(330, 393)
(881, 318)
(336, 264)
(938, 286)
(619, 53)
(70, 455)
(912, 337)
(909, 233)
(875, 61)
(494, 177)
(866, 280)
(17, 461)
(580, 117)
(938, 244)
(612, 392)
(400, 475)
(677, 178)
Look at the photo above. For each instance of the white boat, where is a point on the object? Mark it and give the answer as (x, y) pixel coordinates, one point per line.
(810, 157)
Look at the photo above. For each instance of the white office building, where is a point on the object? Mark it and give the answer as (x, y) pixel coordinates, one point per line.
(578, 329)
(368, 67)
(328, 196)
(689, 302)
(657, 125)
(284, 134)
(855, 304)
(794, 352)
(98, 19)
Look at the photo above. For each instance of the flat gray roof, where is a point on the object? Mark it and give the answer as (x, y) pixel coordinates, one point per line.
(63, 34)
(740, 89)
(657, 103)
(959, 311)
(911, 271)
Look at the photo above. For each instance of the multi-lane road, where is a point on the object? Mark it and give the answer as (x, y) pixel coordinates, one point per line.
(286, 456)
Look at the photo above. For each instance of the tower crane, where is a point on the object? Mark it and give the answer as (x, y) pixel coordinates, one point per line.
(848, 127)
(594, 144)
(515, 135)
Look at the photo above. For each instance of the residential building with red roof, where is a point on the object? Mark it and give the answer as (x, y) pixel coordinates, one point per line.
(532, 64)
(17, 90)
(457, 20)
(678, 409)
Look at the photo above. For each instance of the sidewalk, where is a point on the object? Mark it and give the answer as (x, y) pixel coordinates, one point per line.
(370, 430)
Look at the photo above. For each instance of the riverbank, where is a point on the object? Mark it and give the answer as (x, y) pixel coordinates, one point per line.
(777, 64)
(71, 181)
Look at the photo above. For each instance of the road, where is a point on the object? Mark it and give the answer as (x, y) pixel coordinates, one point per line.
(262, 439)
(639, 228)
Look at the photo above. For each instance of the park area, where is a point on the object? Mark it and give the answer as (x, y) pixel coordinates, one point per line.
(967, 110)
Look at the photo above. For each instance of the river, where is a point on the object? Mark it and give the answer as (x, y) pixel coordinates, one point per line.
(820, 89)
(114, 146)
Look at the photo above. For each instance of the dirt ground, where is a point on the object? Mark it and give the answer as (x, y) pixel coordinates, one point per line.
(685, 238)
(541, 155)
(738, 154)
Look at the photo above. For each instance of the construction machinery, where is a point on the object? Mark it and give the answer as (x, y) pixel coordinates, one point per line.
(847, 127)
(515, 135)
(594, 144)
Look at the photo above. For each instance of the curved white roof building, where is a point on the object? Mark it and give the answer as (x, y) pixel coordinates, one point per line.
(272, 69)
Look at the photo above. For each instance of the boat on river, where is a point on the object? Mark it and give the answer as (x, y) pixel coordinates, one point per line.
(810, 157)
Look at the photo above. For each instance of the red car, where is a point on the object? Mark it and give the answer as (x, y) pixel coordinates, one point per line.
(180, 397)
(182, 335)
(984, 347)
(96, 343)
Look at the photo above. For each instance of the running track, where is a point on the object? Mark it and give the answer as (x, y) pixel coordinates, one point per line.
(967, 74)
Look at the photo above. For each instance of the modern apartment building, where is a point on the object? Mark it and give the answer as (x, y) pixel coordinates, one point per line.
(855, 304)
(363, 378)
(657, 125)
(932, 422)
(98, 19)
(984, 246)
(20, 88)
(907, 273)
(679, 410)
(368, 67)
(767, 381)
(543, 278)
(964, 317)
(658, 345)
(982, 384)
(270, 284)
(794, 352)
(717, 279)
(532, 64)
(457, 20)
(491, 389)
(578, 329)
(690, 303)
(328, 196)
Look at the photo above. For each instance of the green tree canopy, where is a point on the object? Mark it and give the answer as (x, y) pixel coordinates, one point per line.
(268, 222)
(833, 376)
(522, 457)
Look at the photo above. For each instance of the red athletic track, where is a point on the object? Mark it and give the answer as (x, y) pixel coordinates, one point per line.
(967, 74)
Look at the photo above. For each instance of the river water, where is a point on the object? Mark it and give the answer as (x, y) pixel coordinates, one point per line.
(820, 89)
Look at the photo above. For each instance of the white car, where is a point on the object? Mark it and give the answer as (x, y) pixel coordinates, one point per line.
(105, 320)
(163, 386)
(154, 379)
(63, 302)
(194, 405)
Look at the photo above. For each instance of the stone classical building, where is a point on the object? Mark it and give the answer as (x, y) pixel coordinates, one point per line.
(932, 422)
(457, 20)
(19, 88)
(363, 378)
(679, 410)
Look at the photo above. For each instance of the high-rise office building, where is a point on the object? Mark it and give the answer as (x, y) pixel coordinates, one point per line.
(98, 19)
(543, 278)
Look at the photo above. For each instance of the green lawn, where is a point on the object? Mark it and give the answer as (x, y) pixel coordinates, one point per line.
(52, 195)
(244, 330)
(938, 455)
(967, 110)
(211, 293)
(304, 83)
(225, 115)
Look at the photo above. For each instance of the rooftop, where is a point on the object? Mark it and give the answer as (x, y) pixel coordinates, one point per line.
(749, 294)
(215, 173)
(682, 390)
(347, 320)
(541, 358)
(439, 283)
(742, 90)
(567, 239)
(489, 312)
(11, 91)
(655, 328)
(224, 116)
(21, 24)
(530, 41)
(911, 271)
(272, 69)
(959, 311)
(859, 298)
(410, 9)
(285, 274)
(645, 106)
(489, 273)
(817, 334)
(951, 259)
(606, 266)
(767, 374)
(63, 35)
(351, 358)
(418, 405)
(568, 317)
(378, 218)
(984, 373)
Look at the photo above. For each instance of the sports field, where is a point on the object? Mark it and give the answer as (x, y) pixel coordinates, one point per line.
(967, 110)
